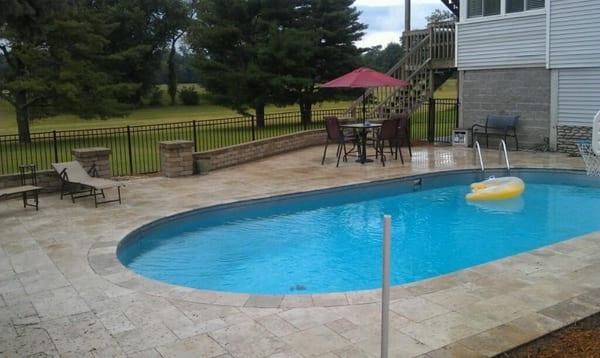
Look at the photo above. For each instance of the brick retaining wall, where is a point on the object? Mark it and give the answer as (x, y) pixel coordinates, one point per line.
(567, 136)
(242, 153)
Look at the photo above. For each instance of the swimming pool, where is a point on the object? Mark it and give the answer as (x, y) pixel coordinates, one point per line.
(330, 240)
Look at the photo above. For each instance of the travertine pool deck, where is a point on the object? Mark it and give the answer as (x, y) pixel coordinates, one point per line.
(63, 292)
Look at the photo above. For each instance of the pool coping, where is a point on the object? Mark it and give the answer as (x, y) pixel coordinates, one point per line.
(570, 301)
(114, 271)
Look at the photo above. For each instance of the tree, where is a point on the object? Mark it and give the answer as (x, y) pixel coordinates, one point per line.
(231, 40)
(57, 61)
(176, 18)
(332, 27)
(383, 59)
(438, 15)
(273, 51)
(141, 37)
(185, 70)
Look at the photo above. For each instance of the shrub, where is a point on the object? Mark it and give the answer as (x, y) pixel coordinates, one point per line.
(156, 97)
(189, 96)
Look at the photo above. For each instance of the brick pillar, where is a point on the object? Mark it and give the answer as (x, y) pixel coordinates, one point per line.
(90, 156)
(176, 158)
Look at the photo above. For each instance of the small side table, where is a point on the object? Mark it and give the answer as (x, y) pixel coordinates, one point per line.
(25, 171)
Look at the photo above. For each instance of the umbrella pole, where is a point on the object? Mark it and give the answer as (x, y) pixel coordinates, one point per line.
(364, 108)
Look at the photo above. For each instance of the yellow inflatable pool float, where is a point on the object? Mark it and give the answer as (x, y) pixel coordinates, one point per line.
(496, 189)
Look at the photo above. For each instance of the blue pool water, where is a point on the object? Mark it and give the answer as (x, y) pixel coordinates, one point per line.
(330, 241)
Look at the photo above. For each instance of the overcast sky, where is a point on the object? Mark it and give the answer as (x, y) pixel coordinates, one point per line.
(386, 19)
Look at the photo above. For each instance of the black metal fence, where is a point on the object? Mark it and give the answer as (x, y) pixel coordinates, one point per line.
(434, 120)
(135, 148)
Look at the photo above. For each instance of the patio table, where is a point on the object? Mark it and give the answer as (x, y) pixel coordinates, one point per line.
(362, 128)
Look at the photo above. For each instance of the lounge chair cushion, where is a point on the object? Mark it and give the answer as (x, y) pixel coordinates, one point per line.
(77, 175)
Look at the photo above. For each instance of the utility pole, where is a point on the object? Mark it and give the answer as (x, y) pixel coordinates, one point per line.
(406, 15)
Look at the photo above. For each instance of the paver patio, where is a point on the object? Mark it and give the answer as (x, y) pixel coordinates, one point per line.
(63, 292)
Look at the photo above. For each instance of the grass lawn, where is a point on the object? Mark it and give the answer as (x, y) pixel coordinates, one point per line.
(448, 90)
(164, 113)
(141, 116)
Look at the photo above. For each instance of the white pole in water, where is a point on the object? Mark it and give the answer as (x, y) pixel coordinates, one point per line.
(385, 289)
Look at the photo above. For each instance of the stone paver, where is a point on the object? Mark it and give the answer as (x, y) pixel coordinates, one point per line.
(315, 341)
(197, 346)
(64, 293)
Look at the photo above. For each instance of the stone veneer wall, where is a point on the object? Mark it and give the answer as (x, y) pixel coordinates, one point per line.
(176, 158)
(241, 153)
(567, 136)
(515, 91)
(98, 156)
(47, 179)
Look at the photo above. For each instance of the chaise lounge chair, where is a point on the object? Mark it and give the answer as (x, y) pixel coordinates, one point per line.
(75, 180)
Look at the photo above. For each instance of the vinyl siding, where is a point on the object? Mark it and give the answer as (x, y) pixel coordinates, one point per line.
(574, 33)
(578, 96)
(502, 43)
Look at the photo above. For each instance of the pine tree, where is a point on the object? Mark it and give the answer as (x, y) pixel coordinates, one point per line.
(233, 42)
(333, 27)
(255, 52)
(57, 61)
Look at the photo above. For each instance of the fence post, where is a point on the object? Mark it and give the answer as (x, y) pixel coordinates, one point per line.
(253, 128)
(456, 113)
(195, 139)
(431, 121)
(55, 142)
(129, 150)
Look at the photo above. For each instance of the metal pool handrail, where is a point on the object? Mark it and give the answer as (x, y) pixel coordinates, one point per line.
(501, 150)
(477, 154)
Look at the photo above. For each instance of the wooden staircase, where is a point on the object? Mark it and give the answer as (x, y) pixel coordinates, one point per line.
(428, 62)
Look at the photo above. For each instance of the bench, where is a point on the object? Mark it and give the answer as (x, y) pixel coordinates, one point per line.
(498, 126)
(24, 189)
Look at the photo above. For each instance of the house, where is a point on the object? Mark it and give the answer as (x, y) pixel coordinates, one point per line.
(536, 58)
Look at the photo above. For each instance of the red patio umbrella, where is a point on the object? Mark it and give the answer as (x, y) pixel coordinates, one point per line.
(364, 77)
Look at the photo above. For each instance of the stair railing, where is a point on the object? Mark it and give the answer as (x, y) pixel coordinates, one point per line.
(436, 43)
(403, 69)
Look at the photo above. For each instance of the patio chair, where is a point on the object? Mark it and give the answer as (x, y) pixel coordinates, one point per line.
(24, 189)
(336, 135)
(499, 126)
(387, 133)
(403, 133)
(76, 180)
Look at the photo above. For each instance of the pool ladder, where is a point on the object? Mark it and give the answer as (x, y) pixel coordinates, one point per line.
(502, 152)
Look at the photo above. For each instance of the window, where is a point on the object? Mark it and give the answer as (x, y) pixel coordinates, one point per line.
(515, 5)
(520, 5)
(491, 7)
(478, 8)
(474, 8)
(535, 4)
